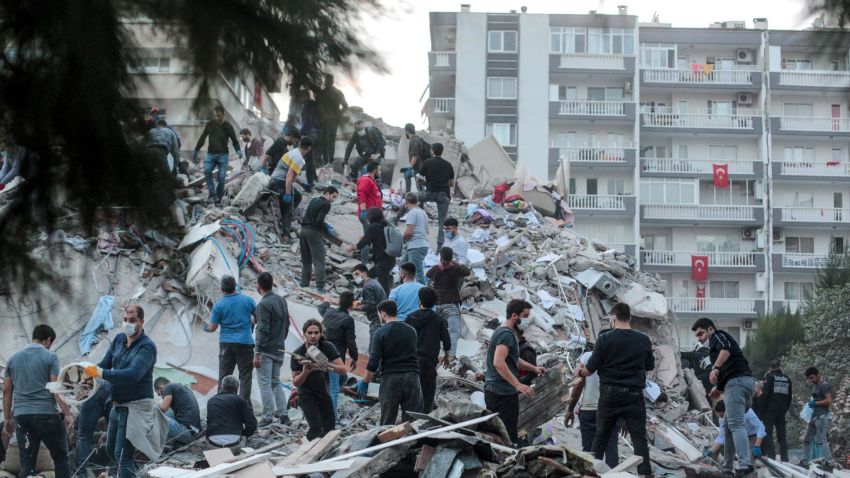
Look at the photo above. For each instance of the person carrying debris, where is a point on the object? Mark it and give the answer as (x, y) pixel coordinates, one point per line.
(181, 408)
(369, 196)
(314, 396)
(418, 152)
(37, 418)
(406, 294)
(394, 350)
(253, 147)
(755, 435)
(163, 145)
(312, 243)
(230, 418)
(455, 241)
(332, 105)
(339, 330)
(431, 330)
(731, 375)
(439, 176)
(272, 316)
(447, 278)
(135, 422)
(815, 442)
(415, 235)
(375, 239)
(279, 147)
(622, 357)
(283, 181)
(372, 293)
(233, 313)
(219, 131)
(776, 398)
(501, 383)
(370, 145)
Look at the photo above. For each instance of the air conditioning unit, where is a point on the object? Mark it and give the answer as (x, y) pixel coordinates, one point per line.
(778, 236)
(745, 99)
(749, 325)
(744, 56)
(748, 234)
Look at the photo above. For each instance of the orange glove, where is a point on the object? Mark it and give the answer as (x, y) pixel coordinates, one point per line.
(93, 371)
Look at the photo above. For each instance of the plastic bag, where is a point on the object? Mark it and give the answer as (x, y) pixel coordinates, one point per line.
(806, 413)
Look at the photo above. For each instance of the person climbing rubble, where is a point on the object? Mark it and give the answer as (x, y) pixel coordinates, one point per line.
(439, 177)
(455, 241)
(375, 240)
(230, 419)
(272, 316)
(755, 436)
(415, 235)
(815, 443)
(369, 196)
(370, 144)
(418, 152)
(406, 294)
(312, 242)
(339, 330)
(431, 331)
(181, 408)
(371, 294)
(279, 147)
(777, 397)
(252, 147)
(447, 278)
(283, 181)
(219, 132)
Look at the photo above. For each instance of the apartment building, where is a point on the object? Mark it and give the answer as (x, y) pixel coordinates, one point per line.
(725, 143)
(169, 84)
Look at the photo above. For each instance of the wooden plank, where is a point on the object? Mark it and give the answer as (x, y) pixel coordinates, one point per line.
(259, 470)
(424, 458)
(219, 456)
(679, 442)
(293, 457)
(626, 465)
(320, 467)
(222, 469)
(395, 432)
(320, 447)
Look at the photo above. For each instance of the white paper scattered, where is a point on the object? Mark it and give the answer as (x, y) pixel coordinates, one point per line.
(480, 273)
(548, 258)
(480, 235)
(546, 299)
(502, 241)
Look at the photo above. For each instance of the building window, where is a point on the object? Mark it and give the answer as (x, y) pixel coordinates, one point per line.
(797, 109)
(799, 291)
(567, 40)
(572, 186)
(719, 152)
(668, 191)
(718, 243)
(156, 64)
(801, 65)
(502, 42)
(501, 88)
(799, 199)
(799, 154)
(505, 133)
(611, 41)
(800, 245)
(657, 55)
(719, 289)
(616, 187)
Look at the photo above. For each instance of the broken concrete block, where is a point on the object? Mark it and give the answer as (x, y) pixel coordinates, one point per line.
(643, 303)
(251, 189)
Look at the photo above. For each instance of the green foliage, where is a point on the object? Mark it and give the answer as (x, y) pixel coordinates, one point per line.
(836, 272)
(774, 338)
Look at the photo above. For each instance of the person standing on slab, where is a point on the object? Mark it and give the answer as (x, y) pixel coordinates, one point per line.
(375, 240)
(776, 398)
(439, 182)
(272, 316)
(339, 329)
(283, 179)
(406, 294)
(369, 196)
(219, 132)
(815, 443)
(314, 396)
(431, 330)
(312, 241)
(415, 235)
(372, 293)
(447, 278)
(622, 356)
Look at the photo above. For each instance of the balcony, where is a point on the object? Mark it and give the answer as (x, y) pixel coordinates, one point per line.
(444, 107)
(680, 261)
(703, 215)
(811, 216)
(737, 79)
(592, 62)
(822, 80)
(736, 308)
(792, 306)
(593, 156)
(798, 170)
(592, 110)
(442, 61)
(810, 125)
(622, 247)
(684, 167)
(665, 120)
(593, 205)
(799, 262)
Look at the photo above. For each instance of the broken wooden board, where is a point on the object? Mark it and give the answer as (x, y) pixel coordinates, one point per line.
(218, 470)
(424, 457)
(395, 432)
(321, 467)
(295, 456)
(679, 442)
(218, 456)
(626, 465)
(258, 470)
(320, 447)
(551, 392)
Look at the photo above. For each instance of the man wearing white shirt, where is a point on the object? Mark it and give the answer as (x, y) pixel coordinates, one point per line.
(455, 241)
(755, 431)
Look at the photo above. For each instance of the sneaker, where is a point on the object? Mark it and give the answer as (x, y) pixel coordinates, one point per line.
(320, 290)
(746, 471)
(803, 464)
(284, 420)
(265, 422)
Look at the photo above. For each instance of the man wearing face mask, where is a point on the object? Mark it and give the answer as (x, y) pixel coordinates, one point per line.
(370, 144)
(135, 422)
(372, 293)
(455, 241)
(501, 383)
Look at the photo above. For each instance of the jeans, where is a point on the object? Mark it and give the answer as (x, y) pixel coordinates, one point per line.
(231, 356)
(399, 389)
(373, 327)
(383, 274)
(334, 379)
(286, 209)
(327, 142)
(417, 257)
(738, 395)
(118, 447)
(312, 256)
(442, 201)
(210, 162)
(272, 393)
(507, 406)
(587, 426)
(616, 403)
(451, 312)
(318, 411)
(428, 383)
(815, 442)
(33, 430)
(366, 252)
(177, 432)
(775, 420)
(729, 453)
(90, 412)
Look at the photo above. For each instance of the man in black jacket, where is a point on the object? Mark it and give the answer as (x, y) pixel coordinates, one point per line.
(776, 400)
(375, 239)
(622, 357)
(219, 131)
(431, 330)
(372, 293)
(418, 151)
(370, 144)
(312, 243)
(229, 417)
(439, 182)
(339, 330)
(272, 316)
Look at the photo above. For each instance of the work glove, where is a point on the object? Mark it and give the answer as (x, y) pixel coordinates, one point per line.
(756, 451)
(708, 453)
(329, 229)
(362, 388)
(93, 371)
(812, 403)
(195, 156)
(264, 170)
(287, 198)
(363, 215)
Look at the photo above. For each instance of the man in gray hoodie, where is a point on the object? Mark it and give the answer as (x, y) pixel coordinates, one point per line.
(272, 317)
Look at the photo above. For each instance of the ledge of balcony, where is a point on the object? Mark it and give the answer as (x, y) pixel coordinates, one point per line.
(817, 217)
(594, 205)
(798, 261)
(672, 122)
(738, 79)
(811, 171)
(810, 126)
(594, 157)
(699, 168)
(592, 63)
(821, 80)
(703, 215)
(680, 261)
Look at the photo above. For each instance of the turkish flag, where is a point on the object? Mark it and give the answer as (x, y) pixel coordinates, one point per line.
(721, 175)
(700, 296)
(258, 95)
(699, 268)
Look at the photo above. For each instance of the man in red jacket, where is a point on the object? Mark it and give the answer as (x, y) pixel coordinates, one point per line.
(368, 196)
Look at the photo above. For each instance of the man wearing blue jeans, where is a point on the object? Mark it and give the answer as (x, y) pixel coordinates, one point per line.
(415, 235)
(731, 375)
(272, 316)
(219, 132)
(100, 405)
(181, 408)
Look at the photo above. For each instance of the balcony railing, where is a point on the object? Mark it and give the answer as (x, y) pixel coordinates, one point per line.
(815, 214)
(825, 79)
(792, 305)
(813, 123)
(442, 58)
(592, 61)
(694, 166)
(592, 108)
(698, 77)
(594, 153)
(804, 260)
(442, 105)
(795, 168)
(715, 259)
(666, 118)
(588, 201)
(740, 212)
(721, 306)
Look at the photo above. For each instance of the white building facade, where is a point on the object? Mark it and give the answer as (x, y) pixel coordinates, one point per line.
(643, 113)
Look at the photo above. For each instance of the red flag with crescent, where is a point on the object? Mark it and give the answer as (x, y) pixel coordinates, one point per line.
(721, 175)
(699, 268)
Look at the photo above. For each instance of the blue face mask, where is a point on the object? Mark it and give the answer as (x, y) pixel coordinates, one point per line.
(450, 235)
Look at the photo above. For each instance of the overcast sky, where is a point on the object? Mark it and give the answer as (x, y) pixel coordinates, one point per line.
(402, 37)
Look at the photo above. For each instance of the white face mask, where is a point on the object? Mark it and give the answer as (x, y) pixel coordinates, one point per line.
(523, 323)
(362, 132)
(358, 279)
(128, 329)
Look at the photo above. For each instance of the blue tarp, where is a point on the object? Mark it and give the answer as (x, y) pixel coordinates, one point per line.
(101, 317)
